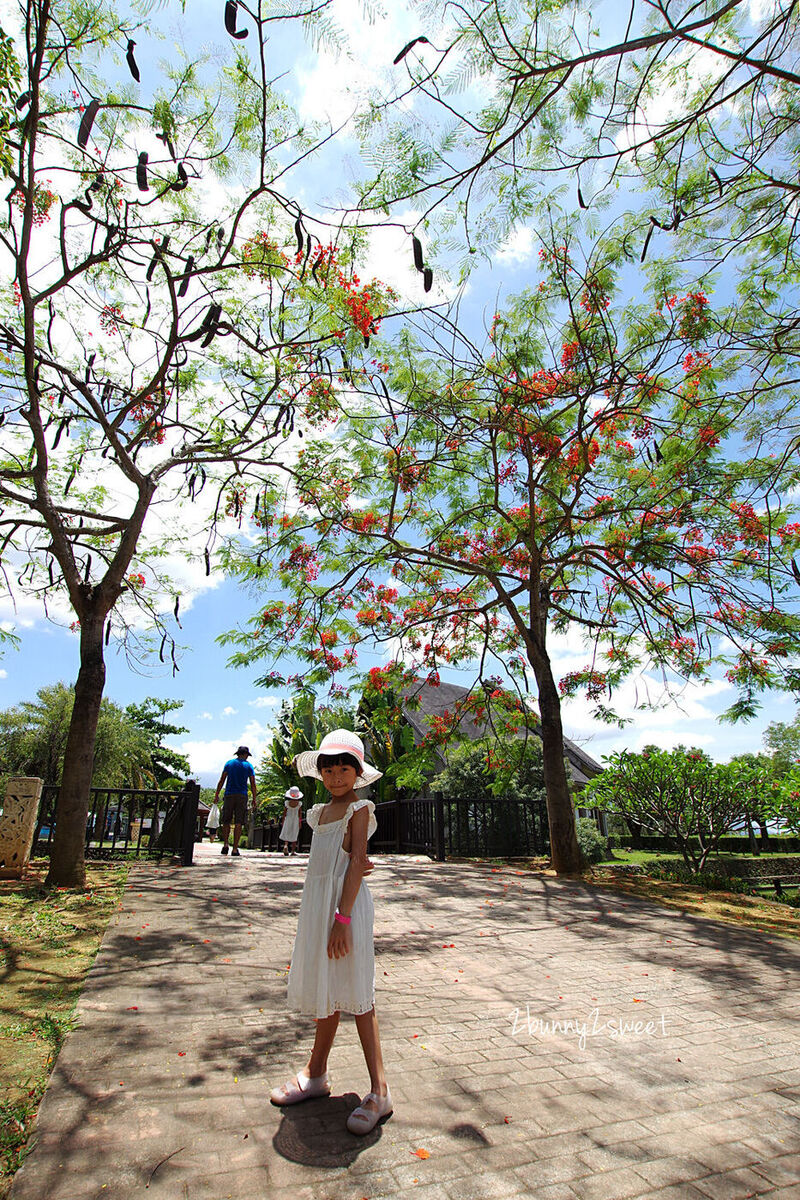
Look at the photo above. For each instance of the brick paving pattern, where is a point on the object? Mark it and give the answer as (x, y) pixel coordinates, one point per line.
(542, 1038)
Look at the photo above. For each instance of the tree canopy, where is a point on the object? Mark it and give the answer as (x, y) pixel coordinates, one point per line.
(172, 311)
(616, 455)
(582, 470)
(128, 749)
(680, 794)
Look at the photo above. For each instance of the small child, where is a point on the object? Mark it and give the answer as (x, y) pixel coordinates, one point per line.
(292, 819)
(333, 961)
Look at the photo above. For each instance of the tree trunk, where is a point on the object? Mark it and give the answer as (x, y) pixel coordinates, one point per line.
(755, 849)
(564, 849)
(635, 830)
(67, 855)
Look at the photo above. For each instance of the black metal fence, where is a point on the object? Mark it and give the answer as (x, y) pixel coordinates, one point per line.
(489, 828)
(496, 828)
(128, 822)
(265, 837)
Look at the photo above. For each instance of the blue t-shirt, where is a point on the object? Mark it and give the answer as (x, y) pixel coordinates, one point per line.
(239, 771)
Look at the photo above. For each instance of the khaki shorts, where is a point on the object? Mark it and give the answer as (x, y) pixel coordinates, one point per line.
(234, 809)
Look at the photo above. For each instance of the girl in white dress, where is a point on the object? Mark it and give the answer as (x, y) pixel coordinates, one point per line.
(292, 818)
(333, 962)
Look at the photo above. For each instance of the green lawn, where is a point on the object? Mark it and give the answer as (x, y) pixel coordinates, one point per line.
(648, 856)
(641, 856)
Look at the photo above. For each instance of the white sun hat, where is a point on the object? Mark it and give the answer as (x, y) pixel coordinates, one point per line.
(340, 741)
(293, 793)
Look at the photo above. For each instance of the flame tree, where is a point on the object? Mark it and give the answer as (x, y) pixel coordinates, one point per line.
(583, 469)
(171, 311)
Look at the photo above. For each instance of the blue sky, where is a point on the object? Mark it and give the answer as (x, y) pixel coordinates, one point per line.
(222, 706)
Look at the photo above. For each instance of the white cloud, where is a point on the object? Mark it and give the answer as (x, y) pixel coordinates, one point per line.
(228, 711)
(265, 702)
(3, 674)
(332, 84)
(24, 611)
(762, 9)
(207, 758)
(691, 68)
(206, 716)
(518, 246)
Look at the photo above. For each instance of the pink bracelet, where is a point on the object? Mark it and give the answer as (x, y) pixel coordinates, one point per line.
(341, 918)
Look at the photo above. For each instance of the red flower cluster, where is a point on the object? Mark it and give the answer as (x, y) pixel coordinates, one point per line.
(303, 559)
(708, 436)
(43, 201)
(750, 525)
(594, 681)
(145, 413)
(543, 444)
(693, 322)
(110, 317)
(361, 303)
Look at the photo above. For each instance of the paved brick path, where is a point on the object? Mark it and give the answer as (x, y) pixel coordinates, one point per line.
(162, 1090)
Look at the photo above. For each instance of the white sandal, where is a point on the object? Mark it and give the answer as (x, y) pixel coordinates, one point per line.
(363, 1120)
(302, 1087)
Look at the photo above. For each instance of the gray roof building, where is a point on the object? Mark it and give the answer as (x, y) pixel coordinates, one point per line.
(435, 701)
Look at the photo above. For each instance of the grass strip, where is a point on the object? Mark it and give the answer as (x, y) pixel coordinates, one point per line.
(48, 941)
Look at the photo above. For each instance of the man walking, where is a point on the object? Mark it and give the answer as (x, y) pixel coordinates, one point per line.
(235, 775)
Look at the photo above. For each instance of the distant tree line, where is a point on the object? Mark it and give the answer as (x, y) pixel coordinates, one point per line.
(129, 751)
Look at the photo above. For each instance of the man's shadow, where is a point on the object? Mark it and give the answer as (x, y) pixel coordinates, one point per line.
(315, 1133)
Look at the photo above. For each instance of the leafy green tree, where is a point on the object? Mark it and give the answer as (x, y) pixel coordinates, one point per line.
(785, 806)
(582, 470)
(382, 722)
(782, 739)
(172, 311)
(679, 794)
(33, 734)
(755, 775)
(10, 75)
(33, 741)
(168, 766)
(511, 769)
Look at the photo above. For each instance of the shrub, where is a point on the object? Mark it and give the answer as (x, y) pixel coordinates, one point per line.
(709, 881)
(593, 845)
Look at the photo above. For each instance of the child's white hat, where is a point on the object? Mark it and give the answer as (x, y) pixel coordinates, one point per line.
(340, 741)
(293, 793)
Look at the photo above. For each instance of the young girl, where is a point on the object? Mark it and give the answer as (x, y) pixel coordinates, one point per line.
(333, 962)
(292, 819)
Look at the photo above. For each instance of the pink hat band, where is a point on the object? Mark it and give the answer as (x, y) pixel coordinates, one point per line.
(342, 748)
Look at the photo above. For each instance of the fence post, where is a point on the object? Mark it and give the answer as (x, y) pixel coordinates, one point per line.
(438, 804)
(190, 803)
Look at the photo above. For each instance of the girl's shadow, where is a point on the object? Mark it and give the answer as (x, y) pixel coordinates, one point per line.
(315, 1132)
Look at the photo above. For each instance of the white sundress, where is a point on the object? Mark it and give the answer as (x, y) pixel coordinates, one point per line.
(318, 985)
(290, 828)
